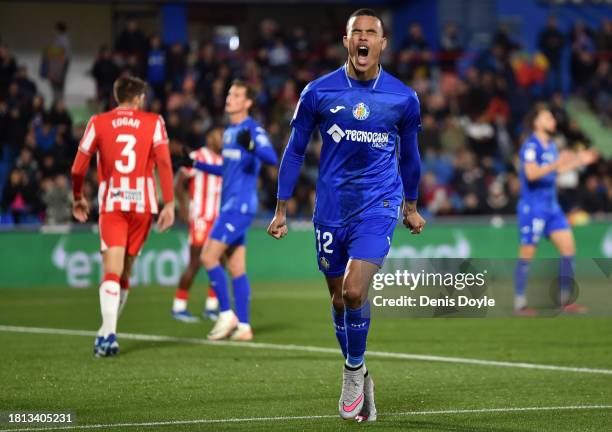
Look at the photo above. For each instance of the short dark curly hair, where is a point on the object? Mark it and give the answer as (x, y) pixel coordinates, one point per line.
(366, 12)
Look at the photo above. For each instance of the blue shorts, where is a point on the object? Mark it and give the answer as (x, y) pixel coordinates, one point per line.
(537, 222)
(368, 240)
(231, 228)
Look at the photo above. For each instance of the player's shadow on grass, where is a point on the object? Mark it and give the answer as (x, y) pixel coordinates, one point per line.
(271, 328)
(409, 424)
(292, 356)
(146, 345)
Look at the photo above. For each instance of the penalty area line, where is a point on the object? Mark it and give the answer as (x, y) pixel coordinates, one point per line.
(306, 348)
(314, 417)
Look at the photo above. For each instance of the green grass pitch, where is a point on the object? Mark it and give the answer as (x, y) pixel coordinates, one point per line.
(293, 389)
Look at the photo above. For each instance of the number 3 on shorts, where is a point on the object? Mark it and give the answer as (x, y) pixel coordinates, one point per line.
(328, 238)
(128, 150)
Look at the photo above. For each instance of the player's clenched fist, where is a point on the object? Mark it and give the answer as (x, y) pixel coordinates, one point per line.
(412, 219)
(278, 227)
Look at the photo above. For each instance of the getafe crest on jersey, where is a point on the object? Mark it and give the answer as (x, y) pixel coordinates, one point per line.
(361, 111)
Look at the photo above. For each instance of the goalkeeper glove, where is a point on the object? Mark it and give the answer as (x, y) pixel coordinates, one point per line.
(243, 138)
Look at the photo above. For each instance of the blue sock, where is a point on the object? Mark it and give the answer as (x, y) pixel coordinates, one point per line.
(340, 330)
(566, 278)
(242, 297)
(357, 324)
(216, 275)
(520, 280)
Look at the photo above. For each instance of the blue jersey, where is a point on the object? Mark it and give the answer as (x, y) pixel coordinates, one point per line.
(241, 168)
(541, 193)
(361, 124)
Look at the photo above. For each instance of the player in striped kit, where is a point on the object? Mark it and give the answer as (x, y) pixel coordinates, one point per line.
(128, 144)
(204, 198)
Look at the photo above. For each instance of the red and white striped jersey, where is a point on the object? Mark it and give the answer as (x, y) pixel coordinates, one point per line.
(204, 188)
(129, 144)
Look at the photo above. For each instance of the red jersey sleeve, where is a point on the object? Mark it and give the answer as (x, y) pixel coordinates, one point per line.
(161, 153)
(87, 148)
(160, 136)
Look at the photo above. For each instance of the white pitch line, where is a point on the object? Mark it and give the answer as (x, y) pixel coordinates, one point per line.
(312, 349)
(314, 417)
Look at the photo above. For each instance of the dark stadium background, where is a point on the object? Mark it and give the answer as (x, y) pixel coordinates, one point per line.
(477, 66)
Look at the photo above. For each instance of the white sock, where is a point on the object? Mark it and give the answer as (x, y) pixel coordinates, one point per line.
(212, 303)
(564, 297)
(520, 302)
(179, 305)
(109, 306)
(352, 365)
(123, 296)
(226, 314)
(244, 326)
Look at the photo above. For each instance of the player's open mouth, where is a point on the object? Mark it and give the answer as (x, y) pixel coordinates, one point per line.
(362, 55)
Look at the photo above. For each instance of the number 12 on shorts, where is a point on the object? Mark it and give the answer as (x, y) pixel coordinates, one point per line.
(328, 238)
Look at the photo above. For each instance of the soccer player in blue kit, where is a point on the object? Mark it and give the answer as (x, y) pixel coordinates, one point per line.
(539, 212)
(369, 172)
(245, 146)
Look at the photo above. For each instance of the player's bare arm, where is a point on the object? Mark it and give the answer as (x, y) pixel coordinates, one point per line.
(578, 160)
(80, 206)
(568, 160)
(181, 195)
(164, 169)
(544, 126)
(534, 171)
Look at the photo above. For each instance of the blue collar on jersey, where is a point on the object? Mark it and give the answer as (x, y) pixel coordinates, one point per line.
(348, 79)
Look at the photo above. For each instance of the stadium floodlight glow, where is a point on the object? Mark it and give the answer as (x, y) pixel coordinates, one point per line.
(234, 43)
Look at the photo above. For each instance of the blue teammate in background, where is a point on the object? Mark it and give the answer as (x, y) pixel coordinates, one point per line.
(539, 212)
(245, 147)
(366, 117)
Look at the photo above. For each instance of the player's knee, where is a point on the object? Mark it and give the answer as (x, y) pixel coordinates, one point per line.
(114, 267)
(351, 296)
(209, 259)
(235, 268)
(527, 252)
(567, 248)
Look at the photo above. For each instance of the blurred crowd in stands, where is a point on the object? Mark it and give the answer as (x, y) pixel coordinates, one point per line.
(472, 107)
